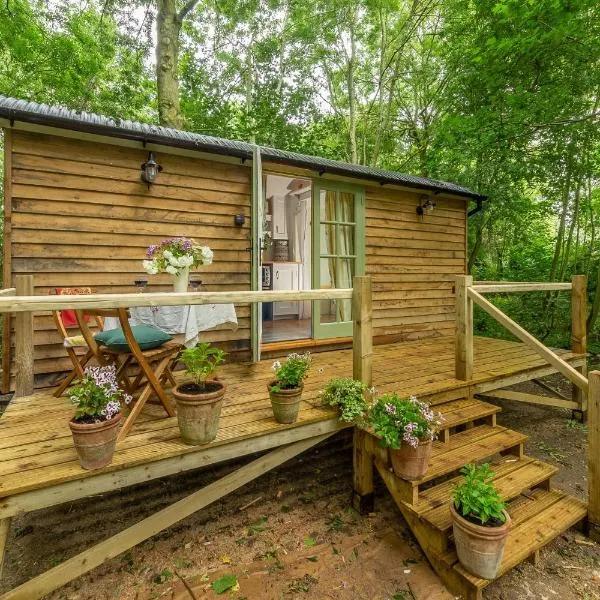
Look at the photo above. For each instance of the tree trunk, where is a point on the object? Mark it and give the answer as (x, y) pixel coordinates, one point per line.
(168, 27)
(351, 89)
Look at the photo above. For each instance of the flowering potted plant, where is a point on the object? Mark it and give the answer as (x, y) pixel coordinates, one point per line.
(176, 256)
(407, 427)
(199, 401)
(348, 395)
(95, 426)
(285, 390)
(480, 522)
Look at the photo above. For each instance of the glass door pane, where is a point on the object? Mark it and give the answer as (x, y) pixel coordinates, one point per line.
(338, 254)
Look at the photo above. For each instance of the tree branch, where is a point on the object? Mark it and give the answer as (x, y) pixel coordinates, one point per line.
(186, 10)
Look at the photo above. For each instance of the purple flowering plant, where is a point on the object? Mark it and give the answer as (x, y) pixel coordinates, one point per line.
(403, 421)
(98, 396)
(291, 373)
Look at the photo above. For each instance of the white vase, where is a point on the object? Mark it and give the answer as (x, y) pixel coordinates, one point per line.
(180, 282)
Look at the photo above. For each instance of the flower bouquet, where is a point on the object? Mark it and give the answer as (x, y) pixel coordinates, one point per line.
(176, 256)
(95, 426)
(407, 427)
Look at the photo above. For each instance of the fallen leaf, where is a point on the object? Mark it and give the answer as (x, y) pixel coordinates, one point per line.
(224, 583)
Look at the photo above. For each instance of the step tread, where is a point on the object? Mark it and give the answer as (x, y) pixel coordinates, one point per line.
(459, 412)
(512, 476)
(469, 446)
(537, 520)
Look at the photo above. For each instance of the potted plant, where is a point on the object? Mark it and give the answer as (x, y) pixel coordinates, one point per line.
(479, 521)
(97, 398)
(407, 427)
(176, 256)
(199, 401)
(348, 396)
(285, 390)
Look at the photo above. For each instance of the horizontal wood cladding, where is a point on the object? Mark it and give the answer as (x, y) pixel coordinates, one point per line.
(413, 261)
(82, 217)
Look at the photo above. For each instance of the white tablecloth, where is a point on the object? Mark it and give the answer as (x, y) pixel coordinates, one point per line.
(188, 320)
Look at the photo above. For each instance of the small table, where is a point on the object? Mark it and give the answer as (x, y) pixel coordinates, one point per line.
(188, 320)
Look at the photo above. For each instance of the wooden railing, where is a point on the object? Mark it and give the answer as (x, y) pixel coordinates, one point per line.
(23, 303)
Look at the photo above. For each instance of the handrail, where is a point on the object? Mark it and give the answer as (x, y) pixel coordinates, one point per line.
(15, 304)
(492, 287)
(556, 361)
(8, 292)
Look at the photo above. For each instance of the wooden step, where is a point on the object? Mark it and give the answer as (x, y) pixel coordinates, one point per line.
(465, 412)
(468, 446)
(512, 476)
(537, 520)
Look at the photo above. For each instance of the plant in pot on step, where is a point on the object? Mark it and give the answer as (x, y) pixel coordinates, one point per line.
(407, 427)
(97, 398)
(285, 390)
(199, 401)
(480, 522)
(348, 396)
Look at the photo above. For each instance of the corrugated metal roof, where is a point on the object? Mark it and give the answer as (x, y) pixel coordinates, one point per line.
(56, 116)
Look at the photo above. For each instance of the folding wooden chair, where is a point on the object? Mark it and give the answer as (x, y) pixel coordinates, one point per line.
(65, 320)
(154, 365)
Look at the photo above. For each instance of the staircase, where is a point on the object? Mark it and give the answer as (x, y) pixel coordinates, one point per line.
(470, 434)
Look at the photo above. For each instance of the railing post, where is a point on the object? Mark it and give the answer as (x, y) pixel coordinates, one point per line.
(463, 358)
(362, 370)
(579, 334)
(593, 435)
(24, 340)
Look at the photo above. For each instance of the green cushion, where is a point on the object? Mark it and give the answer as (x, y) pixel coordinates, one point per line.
(147, 337)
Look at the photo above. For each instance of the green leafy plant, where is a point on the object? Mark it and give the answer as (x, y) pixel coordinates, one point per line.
(476, 497)
(397, 421)
(201, 362)
(224, 583)
(292, 372)
(348, 395)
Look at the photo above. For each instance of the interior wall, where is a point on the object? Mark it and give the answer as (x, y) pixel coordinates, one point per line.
(78, 215)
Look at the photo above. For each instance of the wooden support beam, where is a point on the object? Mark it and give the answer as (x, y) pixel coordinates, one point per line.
(362, 344)
(24, 340)
(550, 389)
(96, 555)
(362, 482)
(579, 332)
(531, 398)
(4, 531)
(463, 361)
(521, 287)
(593, 429)
(556, 361)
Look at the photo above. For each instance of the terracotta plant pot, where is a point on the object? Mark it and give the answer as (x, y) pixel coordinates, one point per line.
(411, 463)
(285, 403)
(95, 442)
(479, 548)
(198, 413)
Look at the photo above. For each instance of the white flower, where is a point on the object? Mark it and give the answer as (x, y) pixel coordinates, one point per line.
(186, 260)
(173, 260)
(171, 269)
(207, 255)
(150, 267)
(276, 365)
(168, 254)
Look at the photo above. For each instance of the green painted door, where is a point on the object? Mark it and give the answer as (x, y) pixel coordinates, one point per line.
(338, 253)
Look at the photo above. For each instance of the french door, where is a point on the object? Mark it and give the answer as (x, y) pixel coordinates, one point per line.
(338, 253)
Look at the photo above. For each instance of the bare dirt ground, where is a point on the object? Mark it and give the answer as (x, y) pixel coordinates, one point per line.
(291, 534)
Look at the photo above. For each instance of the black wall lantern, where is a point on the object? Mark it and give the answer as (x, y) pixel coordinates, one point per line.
(239, 220)
(150, 169)
(427, 205)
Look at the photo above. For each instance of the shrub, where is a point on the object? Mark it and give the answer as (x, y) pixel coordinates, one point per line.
(476, 497)
(201, 362)
(399, 421)
(348, 395)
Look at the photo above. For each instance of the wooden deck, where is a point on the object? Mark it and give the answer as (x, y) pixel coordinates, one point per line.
(38, 465)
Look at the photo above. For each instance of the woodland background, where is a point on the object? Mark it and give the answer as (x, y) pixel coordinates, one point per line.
(499, 95)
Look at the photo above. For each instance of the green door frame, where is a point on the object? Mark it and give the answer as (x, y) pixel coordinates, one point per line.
(338, 328)
(257, 202)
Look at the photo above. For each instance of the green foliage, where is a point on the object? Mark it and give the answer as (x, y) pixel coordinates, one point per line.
(292, 372)
(348, 395)
(476, 495)
(201, 362)
(397, 421)
(222, 584)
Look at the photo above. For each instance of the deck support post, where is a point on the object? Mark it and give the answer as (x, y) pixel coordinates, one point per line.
(463, 358)
(362, 370)
(579, 337)
(24, 340)
(4, 531)
(593, 428)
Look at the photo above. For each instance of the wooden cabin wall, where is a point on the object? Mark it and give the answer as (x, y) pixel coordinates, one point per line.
(78, 215)
(413, 261)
